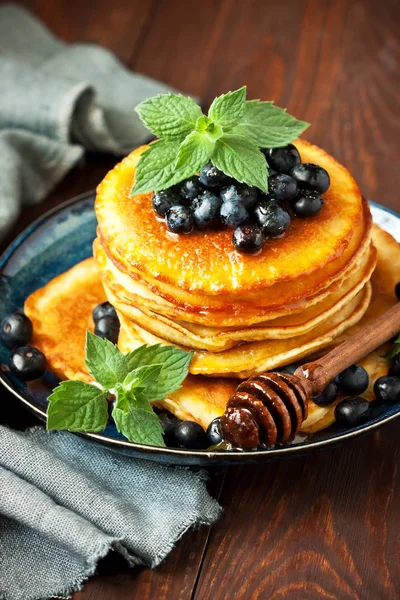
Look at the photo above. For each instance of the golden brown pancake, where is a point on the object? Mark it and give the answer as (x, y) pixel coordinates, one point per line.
(207, 262)
(216, 339)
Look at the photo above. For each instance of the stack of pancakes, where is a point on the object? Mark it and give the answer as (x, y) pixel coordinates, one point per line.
(240, 314)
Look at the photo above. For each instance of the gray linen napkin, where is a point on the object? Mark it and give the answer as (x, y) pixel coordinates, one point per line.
(57, 100)
(66, 502)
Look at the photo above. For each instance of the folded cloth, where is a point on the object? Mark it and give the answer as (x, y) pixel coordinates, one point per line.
(57, 100)
(65, 502)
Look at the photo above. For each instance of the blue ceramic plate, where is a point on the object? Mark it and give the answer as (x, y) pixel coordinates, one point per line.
(62, 238)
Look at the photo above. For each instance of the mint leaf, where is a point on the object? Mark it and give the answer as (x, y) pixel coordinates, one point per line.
(104, 361)
(136, 420)
(156, 169)
(142, 377)
(175, 367)
(169, 116)
(393, 351)
(227, 110)
(77, 406)
(194, 151)
(267, 125)
(239, 158)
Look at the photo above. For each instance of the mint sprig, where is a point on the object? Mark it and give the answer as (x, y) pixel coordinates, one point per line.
(136, 379)
(230, 136)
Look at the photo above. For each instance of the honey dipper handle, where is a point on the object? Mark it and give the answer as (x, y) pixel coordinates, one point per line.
(321, 371)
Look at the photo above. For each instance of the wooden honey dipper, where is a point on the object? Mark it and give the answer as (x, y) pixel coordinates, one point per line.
(270, 408)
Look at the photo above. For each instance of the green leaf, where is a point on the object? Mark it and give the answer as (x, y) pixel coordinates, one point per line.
(194, 151)
(267, 125)
(156, 169)
(241, 159)
(169, 116)
(142, 377)
(175, 366)
(137, 424)
(393, 351)
(104, 361)
(77, 406)
(227, 110)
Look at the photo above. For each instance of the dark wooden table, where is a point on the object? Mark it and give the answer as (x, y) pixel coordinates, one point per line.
(326, 525)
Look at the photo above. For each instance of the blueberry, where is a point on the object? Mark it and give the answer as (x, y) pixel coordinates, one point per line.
(191, 188)
(105, 309)
(240, 192)
(282, 187)
(282, 159)
(27, 363)
(233, 213)
(387, 389)
(212, 177)
(307, 204)
(108, 328)
(16, 330)
(397, 290)
(168, 423)
(353, 380)
(214, 433)
(311, 177)
(352, 411)
(166, 199)
(179, 219)
(247, 239)
(273, 219)
(206, 211)
(395, 366)
(190, 434)
(327, 396)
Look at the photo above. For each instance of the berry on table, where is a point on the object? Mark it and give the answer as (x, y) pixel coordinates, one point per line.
(212, 177)
(27, 363)
(233, 213)
(308, 203)
(16, 330)
(206, 210)
(190, 434)
(353, 380)
(273, 218)
(247, 239)
(179, 219)
(166, 199)
(352, 411)
(282, 187)
(105, 309)
(191, 188)
(387, 389)
(214, 433)
(107, 328)
(282, 159)
(311, 177)
(327, 396)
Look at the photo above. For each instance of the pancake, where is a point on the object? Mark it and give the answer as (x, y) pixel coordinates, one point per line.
(251, 358)
(218, 339)
(314, 250)
(61, 313)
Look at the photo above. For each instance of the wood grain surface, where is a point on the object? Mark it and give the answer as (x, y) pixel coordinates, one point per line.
(326, 525)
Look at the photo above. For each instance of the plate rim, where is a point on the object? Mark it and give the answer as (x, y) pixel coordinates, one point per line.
(231, 456)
